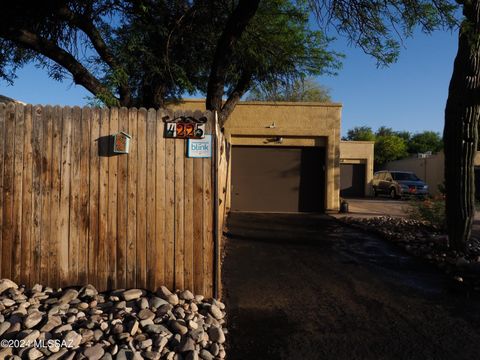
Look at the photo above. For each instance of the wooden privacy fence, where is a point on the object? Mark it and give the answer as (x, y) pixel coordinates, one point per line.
(71, 212)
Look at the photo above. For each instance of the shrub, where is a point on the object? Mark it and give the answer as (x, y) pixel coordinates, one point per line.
(430, 210)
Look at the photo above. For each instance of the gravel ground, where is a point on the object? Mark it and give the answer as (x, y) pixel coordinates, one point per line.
(424, 241)
(80, 323)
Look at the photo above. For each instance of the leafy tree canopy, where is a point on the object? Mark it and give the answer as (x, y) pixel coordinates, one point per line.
(389, 148)
(300, 90)
(384, 131)
(392, 145)
(146, 53)
(360, 133)
(424, 142)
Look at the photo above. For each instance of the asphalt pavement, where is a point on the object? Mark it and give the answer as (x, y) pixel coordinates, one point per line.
(303, 286)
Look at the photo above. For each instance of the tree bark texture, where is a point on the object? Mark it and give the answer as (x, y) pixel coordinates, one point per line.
(460, 131)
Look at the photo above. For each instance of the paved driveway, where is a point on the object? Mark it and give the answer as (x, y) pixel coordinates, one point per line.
(307, 287)
(369, 207)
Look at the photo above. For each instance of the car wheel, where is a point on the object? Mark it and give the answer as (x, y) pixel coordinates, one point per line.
(393, 194)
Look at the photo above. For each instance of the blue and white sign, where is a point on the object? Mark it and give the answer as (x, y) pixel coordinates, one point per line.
(200, 148)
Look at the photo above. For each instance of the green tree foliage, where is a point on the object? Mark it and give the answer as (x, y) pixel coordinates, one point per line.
(300, 90)
(147, 53)
(378, 27)
(405, 135)
(425, 141)
(360, 133)
(389, 148)
(393, 145)
(384, 131)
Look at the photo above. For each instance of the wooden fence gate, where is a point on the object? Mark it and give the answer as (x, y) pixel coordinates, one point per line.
(71, 212)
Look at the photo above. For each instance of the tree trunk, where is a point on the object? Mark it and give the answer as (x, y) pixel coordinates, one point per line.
(460, 132)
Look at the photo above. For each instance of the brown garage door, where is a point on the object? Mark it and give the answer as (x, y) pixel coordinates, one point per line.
(352, 180)
(278, 179)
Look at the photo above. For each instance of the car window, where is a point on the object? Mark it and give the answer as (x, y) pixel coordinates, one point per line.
(402, 176)
(381, 176)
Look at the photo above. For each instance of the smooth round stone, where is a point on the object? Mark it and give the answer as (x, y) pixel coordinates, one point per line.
(216, 335)
(156, 302)
(68, 296)
(206, 355)
(186, 295)
(146, 314)
(132, 294)
(216, 312)
(34, 354)
(179, 328)
(73, 339)
(94, 353)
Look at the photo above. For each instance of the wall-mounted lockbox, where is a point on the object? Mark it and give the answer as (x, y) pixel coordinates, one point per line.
(121, 143)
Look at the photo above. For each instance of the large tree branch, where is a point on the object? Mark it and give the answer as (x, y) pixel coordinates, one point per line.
(236, 24)
(240, 88)
(47, 48)
(86, 24)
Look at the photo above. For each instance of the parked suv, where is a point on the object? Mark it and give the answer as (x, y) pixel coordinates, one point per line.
(398, 183)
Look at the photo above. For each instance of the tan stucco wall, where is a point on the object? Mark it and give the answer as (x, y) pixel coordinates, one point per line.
(359, 152)
(298, 124)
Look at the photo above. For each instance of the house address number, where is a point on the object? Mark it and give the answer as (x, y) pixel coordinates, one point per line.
(185, 127)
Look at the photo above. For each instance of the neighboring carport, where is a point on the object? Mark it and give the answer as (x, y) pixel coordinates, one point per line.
(356, 168)
(352, 180)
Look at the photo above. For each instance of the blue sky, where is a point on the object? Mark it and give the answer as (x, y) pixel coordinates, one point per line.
(409, 95)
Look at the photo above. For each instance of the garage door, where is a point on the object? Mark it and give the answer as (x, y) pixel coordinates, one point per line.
(352, 180)
(278, 179)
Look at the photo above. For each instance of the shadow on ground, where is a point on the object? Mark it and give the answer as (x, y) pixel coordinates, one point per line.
(308, 287)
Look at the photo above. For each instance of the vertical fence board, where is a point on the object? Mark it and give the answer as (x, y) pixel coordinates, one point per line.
(94, 185)
(188, 220)
(17, 192)
(102, 265)
(122, 206)
(45, 191)
(160, 203)
(141, 199)
(208, 226)
(170, 212)
(27, 193)
(132, 200)
(65, 194)
(112, 202)
(83, 218)
(152, 261)
(7, 228)
(55, 239)
(75, 223)
(179, 214)
(37, 137)
(198, 236)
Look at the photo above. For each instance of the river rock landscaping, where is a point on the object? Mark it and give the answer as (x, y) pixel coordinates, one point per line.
(80, 323)
(428, 242)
